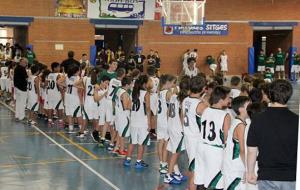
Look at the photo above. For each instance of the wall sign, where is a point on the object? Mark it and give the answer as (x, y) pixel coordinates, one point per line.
(208, 29)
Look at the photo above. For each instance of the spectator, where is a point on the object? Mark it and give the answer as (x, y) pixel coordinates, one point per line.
(270, 62)
(131, 62)
(122, 62)
(185, 57)
(100, 59)
(119, 52)
(66, 64)
(223, 60)
(109, 55)
(157, 60)
(139, 60)
(273, 136)
(280, 63)
(20, 83)
(191, 70)
(151, 59)
(261, 59)
(30, 55)
(194, 54)
(84, 60)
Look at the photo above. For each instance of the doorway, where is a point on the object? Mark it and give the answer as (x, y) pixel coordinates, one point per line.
(271, 40)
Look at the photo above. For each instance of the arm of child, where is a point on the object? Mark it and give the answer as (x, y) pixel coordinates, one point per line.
(226, 126)
(126, 101)
(251, 159)
(239, 134)
(148, 110)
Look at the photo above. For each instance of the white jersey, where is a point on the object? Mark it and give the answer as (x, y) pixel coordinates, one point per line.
(191, 120)
(138, 116)
(89, 92)
(212, 122)
(235, 93)
(4, 72)
(190, 73)
(120, 111)
(224, 59)
(112, 88)
(174, 122)
(232, 158)
(53, 90)
(31, 86)
(155, 82)
(72, 92)
(162, 112)
(185, 58)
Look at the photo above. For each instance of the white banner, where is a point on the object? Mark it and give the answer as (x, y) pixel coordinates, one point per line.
(127, 9)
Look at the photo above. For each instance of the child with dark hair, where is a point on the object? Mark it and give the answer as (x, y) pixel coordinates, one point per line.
(33, 94)
(234, 165)
(176, 141)
(235, 86)
(140, 121)
(256, 95)
(191, 112)
(215, 123)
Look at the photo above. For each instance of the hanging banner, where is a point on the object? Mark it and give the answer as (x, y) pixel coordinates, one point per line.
(213, 29)
(128, 9)
(71, 8)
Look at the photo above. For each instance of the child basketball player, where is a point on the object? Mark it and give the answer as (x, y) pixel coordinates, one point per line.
(90, 108)
(153, 98)
(73, 98)
(192, 109)
(162, 120)
(234, 165)
(123, 107)
(140, 121)
(100, 97)
(55, 101)
(114, 84)
(33, 94)
(176, 141)
(215, 123)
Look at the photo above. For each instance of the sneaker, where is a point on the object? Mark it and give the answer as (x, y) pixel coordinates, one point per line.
(141, 165)
(171, 180)
(126, 162)
(80, 135)
(95, 136)
(101, 143)
(179, 177)
(122, 153)
(71, 128)
(86, 132)
(163, 169)
(110, 147)
(116, 152)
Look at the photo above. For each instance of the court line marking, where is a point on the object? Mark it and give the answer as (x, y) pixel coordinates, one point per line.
(108, 182)
(78, 146)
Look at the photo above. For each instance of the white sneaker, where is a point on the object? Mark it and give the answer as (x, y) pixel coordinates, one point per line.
(86, 132)
(71, 128)
(80, 135)
(171, 180)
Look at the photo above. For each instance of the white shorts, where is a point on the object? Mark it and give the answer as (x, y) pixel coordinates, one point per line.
(122, 126)
(154, 103)
(261, 68)
(73, 110)
(90, 112)
(279, 68)
(109, 111)
(191, 144)
(3, 84)
(224, 67)
(8, 85)
(233, 180)
(162, 130)
(271, 69)
(213, 67)
(176, 143)
(54, 103)
(32, 104)
(209, 164)
(102, 112)
(295, 69)
(139, 135)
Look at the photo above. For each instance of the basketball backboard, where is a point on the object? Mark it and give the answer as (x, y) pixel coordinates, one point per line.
(183, 12)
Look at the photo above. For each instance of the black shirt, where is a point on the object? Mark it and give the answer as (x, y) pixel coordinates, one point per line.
(275, 133)
(68, 63)
(20, 78)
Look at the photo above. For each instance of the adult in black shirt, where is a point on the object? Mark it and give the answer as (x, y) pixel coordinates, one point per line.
(273, 135)
(69, 62)
(122, 62)
(20, 83)
(139, 60)
(151, 59)
(131, 61)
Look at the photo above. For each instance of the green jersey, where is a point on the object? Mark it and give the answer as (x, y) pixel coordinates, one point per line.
(261, 60)
(30, 57)
(280, 58)
(269, 76)
(296, 59)
(270, 62)
(110, 75)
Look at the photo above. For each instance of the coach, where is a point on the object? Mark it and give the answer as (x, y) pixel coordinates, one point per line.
(273, 135)
(20, 83)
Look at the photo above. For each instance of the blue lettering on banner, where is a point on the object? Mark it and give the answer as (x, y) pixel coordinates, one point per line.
(216, 29)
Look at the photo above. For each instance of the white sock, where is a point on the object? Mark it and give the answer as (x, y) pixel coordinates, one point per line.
(161, 163)
(128, 158)
(71, 127)
(176, 169)
(138, 160)
(164, 164)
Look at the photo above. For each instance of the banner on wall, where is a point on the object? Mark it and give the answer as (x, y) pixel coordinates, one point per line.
(214, 29)
(127, 9)
(71, 8)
